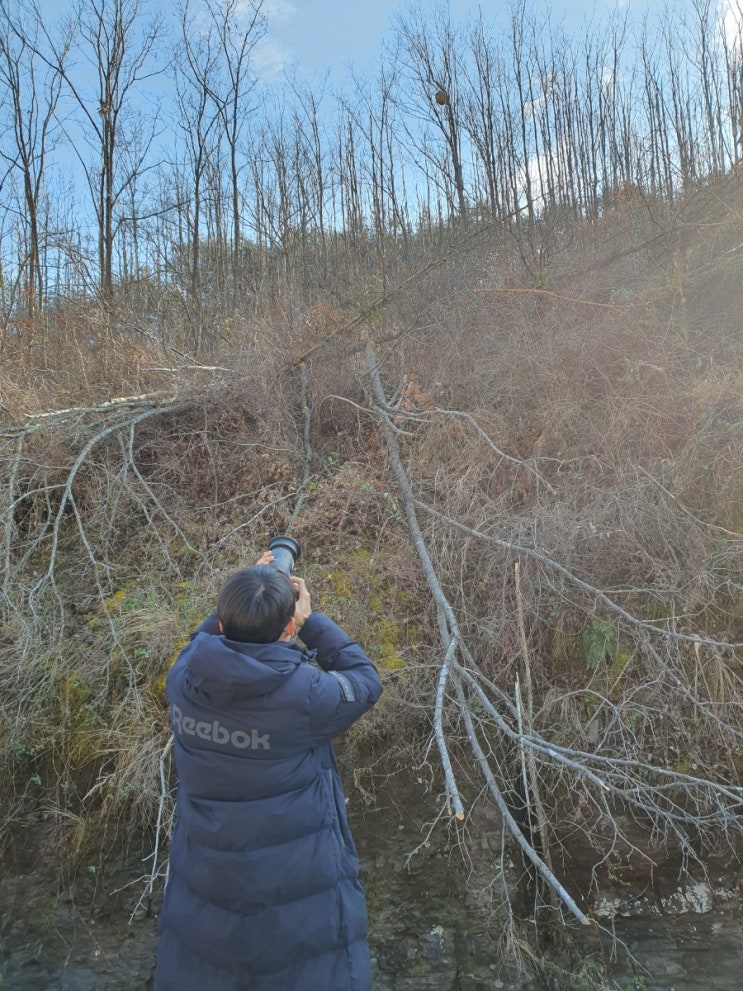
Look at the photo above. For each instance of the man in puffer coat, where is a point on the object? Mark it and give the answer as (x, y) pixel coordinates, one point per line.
(263, 891)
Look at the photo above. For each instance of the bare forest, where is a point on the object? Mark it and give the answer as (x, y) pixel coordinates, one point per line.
(469, 328)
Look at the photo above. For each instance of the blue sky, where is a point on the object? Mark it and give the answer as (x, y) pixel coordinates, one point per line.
(329, 34)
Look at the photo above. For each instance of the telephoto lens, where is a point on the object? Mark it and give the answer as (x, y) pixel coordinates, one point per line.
(285, 552)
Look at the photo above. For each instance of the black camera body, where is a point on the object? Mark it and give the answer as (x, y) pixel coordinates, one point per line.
(285, 552)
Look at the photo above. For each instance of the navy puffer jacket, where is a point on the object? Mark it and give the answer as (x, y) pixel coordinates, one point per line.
(263, 891)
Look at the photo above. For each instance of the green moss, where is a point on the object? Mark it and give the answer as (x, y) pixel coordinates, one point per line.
(157, 686)
(80, 718)
(366, 599)
(341, 586)
(566, 653)
(617, 670)
(384, 635)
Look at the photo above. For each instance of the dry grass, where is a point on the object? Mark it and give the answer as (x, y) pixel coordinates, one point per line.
(588, 427)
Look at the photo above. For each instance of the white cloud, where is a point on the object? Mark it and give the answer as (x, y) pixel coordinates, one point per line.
(279, 11)
(731, 17)
(272, 53)
(270, 57)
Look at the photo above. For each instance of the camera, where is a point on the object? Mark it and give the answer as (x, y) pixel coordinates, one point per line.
(285, 552)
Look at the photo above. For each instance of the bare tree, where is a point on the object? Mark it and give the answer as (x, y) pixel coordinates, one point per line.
(482, 116)
(311, 164)
(732, 43)
(429, 52)
(348, 167)
(235, 29)
(659, 162)
(381, 159)
(280, 209)
(711, 80)
(32, 102)
(116, 45)
(196, 66)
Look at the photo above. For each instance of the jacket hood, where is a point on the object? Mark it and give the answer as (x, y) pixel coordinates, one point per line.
(228, 670)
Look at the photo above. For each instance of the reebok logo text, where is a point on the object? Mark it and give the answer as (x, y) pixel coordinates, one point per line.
(213, 730)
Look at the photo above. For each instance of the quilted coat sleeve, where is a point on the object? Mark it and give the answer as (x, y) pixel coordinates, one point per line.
(348, 684)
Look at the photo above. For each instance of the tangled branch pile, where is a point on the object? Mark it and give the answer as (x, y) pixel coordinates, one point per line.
(527, 500)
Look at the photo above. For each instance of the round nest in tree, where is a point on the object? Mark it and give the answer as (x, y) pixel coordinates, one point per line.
(441, 98)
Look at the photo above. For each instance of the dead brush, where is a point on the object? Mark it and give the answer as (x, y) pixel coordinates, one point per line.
(548, 553)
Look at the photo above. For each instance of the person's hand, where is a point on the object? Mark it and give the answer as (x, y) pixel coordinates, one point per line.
(265, 558)
(303, 608)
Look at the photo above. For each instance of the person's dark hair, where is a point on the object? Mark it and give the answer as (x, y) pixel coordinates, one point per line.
(255, 604)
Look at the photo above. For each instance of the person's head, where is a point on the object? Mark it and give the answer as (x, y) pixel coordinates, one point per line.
(256, 604)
